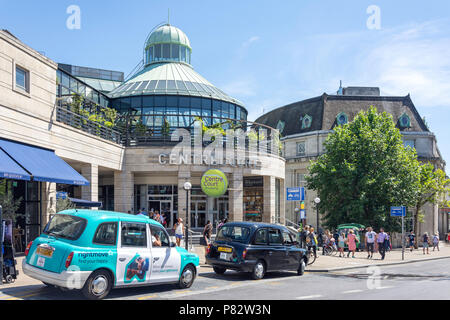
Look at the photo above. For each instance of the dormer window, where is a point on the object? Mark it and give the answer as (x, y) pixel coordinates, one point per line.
(404, 121)
(306, 122)
(280, 126)
(341, 119)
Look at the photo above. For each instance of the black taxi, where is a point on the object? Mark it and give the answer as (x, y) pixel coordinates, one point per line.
(256, 248)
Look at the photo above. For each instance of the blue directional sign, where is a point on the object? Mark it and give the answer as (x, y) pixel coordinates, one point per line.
(303, 214)
(61, 195)
(295, 194)
(398, 211)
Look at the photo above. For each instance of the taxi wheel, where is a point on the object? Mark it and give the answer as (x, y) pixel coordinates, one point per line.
(259, 270)
(187, 277)
(219, 270)
(301, 267)
(98, 285)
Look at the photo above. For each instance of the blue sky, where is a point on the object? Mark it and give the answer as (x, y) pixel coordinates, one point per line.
(264, 53)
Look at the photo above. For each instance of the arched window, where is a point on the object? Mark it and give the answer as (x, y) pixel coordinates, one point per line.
(341, 118)
(404, 121)
(306, 121)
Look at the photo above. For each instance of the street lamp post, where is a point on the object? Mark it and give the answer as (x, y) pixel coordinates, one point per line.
(317, 201)
(187, 186)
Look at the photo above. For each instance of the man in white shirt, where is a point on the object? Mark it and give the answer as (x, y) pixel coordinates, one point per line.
(370, 241)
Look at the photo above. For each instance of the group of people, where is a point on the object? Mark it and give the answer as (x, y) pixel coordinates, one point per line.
(426, 241)
(162, 218)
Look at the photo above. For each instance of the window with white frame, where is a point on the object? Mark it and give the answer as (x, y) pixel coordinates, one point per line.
(22, 79)
(301, 148)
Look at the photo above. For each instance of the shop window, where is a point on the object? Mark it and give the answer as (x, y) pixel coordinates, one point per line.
(106, 234)
(134, 235)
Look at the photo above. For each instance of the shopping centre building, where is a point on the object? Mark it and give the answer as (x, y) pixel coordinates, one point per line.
(59, 133)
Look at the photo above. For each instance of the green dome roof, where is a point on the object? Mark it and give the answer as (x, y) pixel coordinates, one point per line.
(168, 34)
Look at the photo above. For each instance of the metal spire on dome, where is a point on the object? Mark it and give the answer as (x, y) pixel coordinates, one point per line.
(168, 16)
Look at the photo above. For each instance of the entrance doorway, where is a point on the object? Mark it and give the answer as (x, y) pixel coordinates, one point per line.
(198, 213)
(163, 207)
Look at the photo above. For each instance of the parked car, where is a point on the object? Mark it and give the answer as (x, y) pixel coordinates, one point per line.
(256, 248)
(96, 251)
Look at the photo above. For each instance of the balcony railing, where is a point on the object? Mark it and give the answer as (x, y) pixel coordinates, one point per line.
(80, 122)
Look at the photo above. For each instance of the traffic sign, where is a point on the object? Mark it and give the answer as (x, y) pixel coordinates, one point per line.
(302, 214)
(398, 211)
(295, 194)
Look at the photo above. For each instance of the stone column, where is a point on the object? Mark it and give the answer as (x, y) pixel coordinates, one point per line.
(48, 202)
(184, 175)
(269, 200)
(236, 196)
(124, 191)
(282, 202)
(90, 192)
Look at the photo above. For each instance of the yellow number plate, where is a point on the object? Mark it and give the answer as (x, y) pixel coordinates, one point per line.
(222, 249)
(44, 252)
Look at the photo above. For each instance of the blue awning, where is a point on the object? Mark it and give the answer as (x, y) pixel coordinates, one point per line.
(85, 203)
(10, 169)
(42, 164)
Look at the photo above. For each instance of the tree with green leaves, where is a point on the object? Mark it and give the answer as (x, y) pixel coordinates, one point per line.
(434, 187)
(364, 172)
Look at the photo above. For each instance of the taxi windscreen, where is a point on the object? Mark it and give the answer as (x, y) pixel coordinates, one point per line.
(65, 226)
(233, 233)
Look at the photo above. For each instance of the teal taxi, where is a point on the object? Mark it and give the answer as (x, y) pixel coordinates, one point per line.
(96, 251)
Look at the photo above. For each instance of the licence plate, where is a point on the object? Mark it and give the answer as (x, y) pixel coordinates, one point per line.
(223, 249)
(46, 252)
(225, 256)
(40, 262)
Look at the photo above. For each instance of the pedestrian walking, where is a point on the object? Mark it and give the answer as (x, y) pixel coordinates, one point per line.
(207, 232)
(312, 241)
(325, 241)
(411, 238)
(436, 241)
(179, 231)
(387, 242)
(370, 242)
(380, 243)
(303, 236)
(448, 237)
(425, 242)
(351, 242)
(341, 244)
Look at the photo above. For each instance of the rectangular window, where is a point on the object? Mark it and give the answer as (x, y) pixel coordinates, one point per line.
(22, 78)
(166, 51)
(157, 52)
(159, 237)
(134, 235)
(301, 148)
(275, 237)
(261, 236)
(106, 234)
(301, 181)
(183, 54)
(175, 51)
(150, 57)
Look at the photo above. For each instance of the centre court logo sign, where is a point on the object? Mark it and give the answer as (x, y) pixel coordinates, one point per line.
(214, 183)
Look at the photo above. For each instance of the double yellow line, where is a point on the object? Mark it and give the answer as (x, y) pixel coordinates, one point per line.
(19, 295)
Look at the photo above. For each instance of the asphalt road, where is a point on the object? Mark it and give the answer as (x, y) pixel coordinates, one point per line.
(420, 280)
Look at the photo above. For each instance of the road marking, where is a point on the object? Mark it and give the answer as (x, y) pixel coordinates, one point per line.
(352, 291)
(183, 291)
(309, 297)
(378, 288)
(148, 297)
(212, 287)
(12, 294)
(26, 296)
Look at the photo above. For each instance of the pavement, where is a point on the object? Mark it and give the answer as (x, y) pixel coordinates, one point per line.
(322, 263)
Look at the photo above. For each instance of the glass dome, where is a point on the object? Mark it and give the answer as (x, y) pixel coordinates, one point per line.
(167, 43)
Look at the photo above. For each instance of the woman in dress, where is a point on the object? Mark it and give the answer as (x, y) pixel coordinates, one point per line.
(351, 240)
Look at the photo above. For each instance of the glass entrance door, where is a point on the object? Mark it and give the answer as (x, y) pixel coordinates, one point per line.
(166, 209)
(198, 214)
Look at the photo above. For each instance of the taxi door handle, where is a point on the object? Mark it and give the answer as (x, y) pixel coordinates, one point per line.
(270, 252)
(122, 259)
(155, 259)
